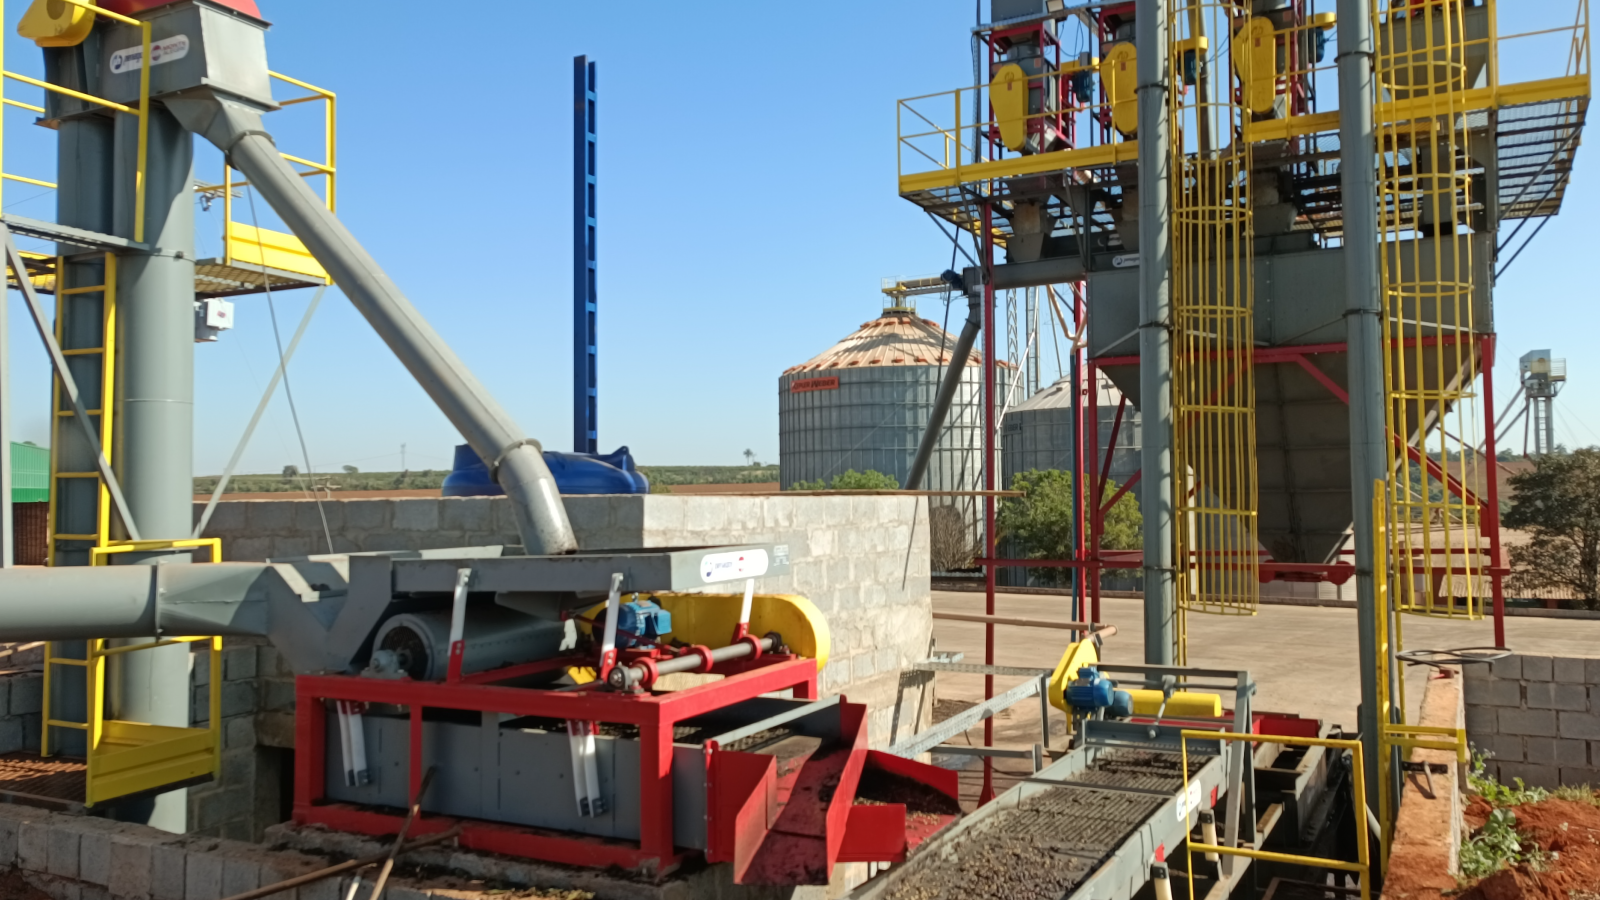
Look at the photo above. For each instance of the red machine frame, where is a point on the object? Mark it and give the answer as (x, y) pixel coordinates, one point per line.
(654, 714)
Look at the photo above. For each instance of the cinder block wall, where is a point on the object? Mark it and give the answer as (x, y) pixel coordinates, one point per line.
(863, 560)
(1538, 717)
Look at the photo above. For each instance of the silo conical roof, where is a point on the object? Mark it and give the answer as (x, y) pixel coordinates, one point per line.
(897, 338)
(1059, 395)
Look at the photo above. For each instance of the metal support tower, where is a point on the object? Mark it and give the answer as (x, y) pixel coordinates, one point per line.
(1542, 378)
(585, 338)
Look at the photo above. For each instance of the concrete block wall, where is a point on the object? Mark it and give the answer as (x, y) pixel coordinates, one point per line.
(1538, 717)
(247, 798)
(863, 560)
(21, 707)
(75, 857)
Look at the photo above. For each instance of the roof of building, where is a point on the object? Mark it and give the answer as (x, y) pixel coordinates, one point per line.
(897, 338)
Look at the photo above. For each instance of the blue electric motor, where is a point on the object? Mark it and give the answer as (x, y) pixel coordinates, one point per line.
(1092, 691)
(641, 622)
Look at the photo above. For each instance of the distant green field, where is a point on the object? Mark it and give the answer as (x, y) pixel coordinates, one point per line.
(428, 479)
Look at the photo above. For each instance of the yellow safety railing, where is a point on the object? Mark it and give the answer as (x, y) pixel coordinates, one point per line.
(274, 249)
(1358, 785)
(141, 111)
(1433, 356)
(936, 133)
(1406, 738)
(1213, 318)
(132, 757)
(97, 555)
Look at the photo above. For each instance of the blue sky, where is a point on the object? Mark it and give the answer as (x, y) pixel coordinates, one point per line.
(748, 211)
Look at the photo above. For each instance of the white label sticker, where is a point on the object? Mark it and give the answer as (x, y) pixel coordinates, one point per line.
(1191, 801)
(732, 565)
(132, 59)
(1124, 260)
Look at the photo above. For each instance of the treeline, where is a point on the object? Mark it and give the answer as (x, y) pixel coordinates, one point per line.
(291, 480)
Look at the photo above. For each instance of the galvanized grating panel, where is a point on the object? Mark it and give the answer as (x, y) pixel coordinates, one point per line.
(55, 778)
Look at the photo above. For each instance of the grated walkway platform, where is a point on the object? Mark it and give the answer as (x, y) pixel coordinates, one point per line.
(29, 778)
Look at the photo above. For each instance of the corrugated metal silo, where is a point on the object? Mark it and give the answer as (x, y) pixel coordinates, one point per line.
(864, 404)
(1037, 433)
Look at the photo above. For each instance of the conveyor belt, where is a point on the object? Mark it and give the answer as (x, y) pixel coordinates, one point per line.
(1053, 839)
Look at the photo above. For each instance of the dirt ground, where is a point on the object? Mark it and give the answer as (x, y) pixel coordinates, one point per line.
(1568, 831)
(13, 887)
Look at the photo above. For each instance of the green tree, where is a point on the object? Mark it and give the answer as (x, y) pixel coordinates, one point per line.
(1041, 520)
(851, 480)
(1558, 504)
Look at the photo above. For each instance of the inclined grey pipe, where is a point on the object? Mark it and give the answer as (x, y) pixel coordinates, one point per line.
(1155, 334)
(1369, 458)
(959, 356)
(515, 462)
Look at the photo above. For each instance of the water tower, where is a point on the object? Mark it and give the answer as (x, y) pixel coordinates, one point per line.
(1542, 378)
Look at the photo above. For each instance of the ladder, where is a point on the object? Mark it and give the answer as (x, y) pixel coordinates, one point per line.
(73, 528)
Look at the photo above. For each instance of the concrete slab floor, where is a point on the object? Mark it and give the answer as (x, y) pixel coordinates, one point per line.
(1302, 658)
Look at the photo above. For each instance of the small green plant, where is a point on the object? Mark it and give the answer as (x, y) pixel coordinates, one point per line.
(851, 480)
(1578, 793)
(1497, 794)
(1496, 845)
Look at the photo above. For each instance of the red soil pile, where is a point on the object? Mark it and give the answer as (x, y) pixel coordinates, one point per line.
(1569, 833)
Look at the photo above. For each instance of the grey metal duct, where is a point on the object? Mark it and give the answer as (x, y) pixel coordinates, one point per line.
(959, 357)
(515, 462)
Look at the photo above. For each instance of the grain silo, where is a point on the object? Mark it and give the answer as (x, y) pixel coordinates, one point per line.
(1037, 433)
(864, 403)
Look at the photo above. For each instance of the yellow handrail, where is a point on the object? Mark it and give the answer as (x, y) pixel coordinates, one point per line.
(97, 555)
(1358, 784)
(142, 110)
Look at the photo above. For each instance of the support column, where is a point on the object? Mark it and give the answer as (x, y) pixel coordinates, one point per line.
(1155, 334)
(986, 793)
(155, 409)
(1364, 333)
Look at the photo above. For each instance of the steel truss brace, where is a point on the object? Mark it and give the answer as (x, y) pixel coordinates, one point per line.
(69, 386)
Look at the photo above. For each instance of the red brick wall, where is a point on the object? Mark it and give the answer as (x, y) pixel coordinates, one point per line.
(31, 521)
